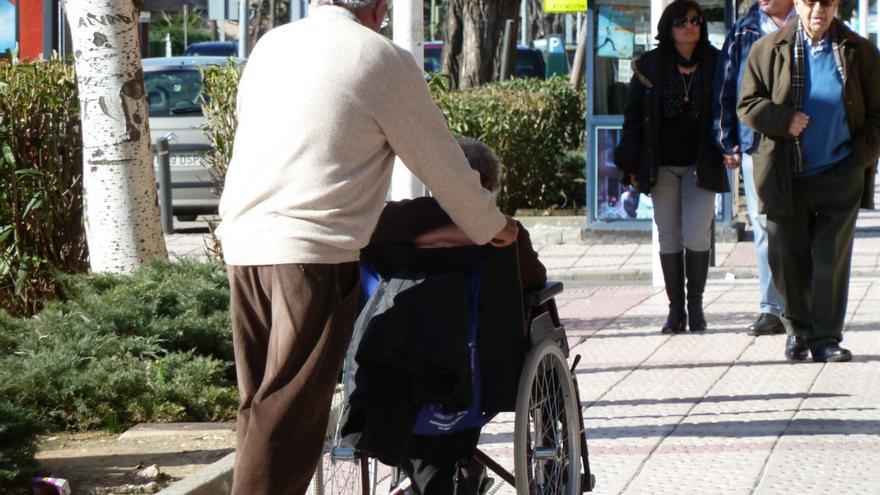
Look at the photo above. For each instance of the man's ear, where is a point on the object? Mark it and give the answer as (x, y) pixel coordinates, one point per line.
(378, 13)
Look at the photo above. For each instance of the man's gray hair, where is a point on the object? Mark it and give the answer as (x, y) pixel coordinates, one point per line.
(482, 159)
(352, 5)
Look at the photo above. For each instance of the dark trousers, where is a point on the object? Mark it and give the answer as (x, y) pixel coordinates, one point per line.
(291, 327)
(810, 251)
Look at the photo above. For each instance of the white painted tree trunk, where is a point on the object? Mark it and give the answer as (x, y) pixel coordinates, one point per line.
(121, 206)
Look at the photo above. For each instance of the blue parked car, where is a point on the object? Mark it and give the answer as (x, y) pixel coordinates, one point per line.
(529, 61)
(212, 49)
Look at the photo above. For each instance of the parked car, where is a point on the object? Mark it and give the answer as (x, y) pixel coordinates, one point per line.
(529, 61)
(174, 101)
(212, 49)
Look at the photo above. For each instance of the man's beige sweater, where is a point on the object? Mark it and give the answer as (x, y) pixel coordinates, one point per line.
(323, 106)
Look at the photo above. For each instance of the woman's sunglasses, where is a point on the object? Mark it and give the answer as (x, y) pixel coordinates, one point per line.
(683, 21)
(824, 3)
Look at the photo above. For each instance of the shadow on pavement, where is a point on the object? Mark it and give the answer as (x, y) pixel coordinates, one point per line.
(857, 358)
(742, 429)
(713, 399)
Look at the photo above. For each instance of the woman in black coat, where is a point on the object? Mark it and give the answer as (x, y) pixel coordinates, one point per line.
(666, 147)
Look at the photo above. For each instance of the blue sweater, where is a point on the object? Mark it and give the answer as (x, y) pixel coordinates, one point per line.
(826, 138)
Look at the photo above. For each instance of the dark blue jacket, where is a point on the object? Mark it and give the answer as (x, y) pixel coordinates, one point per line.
(729, 131)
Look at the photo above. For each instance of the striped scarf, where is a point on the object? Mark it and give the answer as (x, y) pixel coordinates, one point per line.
(799, 81)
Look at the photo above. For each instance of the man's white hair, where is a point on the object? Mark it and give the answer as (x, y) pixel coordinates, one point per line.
(350, 4)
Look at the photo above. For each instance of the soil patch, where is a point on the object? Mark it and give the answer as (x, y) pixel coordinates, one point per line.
(101, 463)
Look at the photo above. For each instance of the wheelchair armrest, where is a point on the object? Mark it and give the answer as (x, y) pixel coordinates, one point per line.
(542, 295)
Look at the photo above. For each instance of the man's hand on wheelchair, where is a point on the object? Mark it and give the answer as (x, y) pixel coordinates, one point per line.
(507, 235)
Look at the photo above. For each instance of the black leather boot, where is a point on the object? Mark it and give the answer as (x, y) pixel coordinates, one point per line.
(696, 266)
(673, 277)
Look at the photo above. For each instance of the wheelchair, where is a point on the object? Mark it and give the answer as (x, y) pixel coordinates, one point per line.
(549, 442)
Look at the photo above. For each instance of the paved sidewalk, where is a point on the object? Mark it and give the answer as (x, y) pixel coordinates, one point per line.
(719, 413)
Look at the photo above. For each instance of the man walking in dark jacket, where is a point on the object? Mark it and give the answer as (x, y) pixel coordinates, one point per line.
(811, 93)
(737, 141)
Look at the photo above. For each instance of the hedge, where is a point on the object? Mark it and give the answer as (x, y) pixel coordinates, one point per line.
(41, 205)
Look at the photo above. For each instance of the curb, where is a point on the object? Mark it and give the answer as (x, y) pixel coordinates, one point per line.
(640, 275)
(215, 479)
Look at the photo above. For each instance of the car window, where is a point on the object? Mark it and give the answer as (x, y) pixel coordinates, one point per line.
(174, 92)
(210, 51)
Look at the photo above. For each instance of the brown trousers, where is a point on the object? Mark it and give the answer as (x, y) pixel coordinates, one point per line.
(291, 327)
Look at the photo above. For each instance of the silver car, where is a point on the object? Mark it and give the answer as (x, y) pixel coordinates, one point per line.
(174, 92)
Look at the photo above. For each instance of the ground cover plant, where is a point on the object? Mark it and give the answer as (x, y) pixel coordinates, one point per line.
(116, 350)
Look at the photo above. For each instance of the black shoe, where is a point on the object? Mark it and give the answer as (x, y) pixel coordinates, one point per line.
(673, 277)
(766, 324)
(796, 349)
(830, 352)
(696, 266)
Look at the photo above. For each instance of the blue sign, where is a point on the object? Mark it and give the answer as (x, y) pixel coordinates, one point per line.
(8, 27)
(615, 33)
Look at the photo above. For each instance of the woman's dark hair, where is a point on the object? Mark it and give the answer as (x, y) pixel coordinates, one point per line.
(677, 10)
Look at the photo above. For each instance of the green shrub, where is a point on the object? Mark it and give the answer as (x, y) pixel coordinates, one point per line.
(154, 346)
(18, 445)
(41, 206)
(530, 124)
(533, 125)
(220, 86)
(166, 24)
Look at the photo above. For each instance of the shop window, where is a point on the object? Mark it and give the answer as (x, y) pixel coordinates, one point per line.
(623, 32)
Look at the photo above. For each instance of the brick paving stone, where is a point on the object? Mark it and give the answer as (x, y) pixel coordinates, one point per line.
(722, 412)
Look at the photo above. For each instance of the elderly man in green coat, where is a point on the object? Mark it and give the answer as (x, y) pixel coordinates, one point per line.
(811, 91)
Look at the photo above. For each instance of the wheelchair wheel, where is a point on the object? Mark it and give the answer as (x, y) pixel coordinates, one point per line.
(345, 472)
(546, 445)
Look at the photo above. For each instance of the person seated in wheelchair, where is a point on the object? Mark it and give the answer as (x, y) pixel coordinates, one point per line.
(422, 223)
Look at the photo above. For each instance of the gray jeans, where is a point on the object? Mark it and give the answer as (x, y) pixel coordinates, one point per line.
(682, 210)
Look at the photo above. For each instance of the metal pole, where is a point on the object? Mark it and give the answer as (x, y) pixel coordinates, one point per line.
(168, 51)
(863, 18)
(569, 30)
(185, 26)
(433, 20)
(523, 23)
(60, 30)
(409, 34)
(507, 51)
(47, 29)
(580, 25)
(242, 28)
(163, 156)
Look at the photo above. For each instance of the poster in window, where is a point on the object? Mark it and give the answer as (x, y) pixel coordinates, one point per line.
(615, 34)
(8, 26)
(614, 201)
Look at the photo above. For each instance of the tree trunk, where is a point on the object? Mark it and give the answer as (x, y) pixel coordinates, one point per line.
(121, 206)
(473, 39)
(539, 24)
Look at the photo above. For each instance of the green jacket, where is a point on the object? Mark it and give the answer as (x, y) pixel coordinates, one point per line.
(765, 104)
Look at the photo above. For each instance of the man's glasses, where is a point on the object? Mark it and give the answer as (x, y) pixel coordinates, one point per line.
(695, 20)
